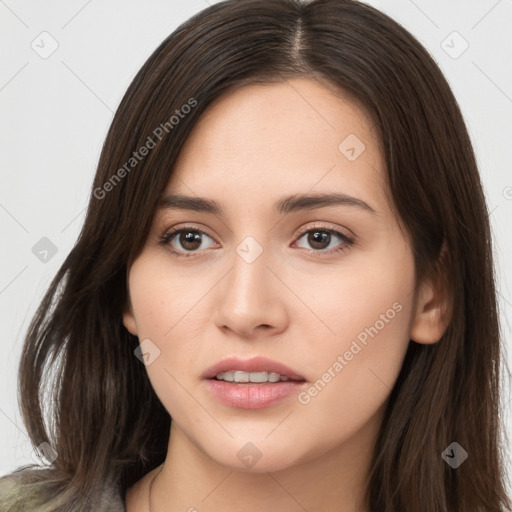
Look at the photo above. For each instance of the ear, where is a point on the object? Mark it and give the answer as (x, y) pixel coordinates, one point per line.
(434, 306)
(129, 319)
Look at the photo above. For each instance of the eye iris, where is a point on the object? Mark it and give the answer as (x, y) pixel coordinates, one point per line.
(189, 237)
(319, 237)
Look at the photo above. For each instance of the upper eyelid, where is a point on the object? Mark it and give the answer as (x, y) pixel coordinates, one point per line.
(326, 226)
(174, 230)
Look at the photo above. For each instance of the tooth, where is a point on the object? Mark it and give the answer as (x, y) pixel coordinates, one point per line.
(258, 377)
(241, 376)
(273, 377)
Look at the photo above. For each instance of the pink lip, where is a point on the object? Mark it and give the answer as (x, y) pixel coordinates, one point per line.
(255, 364)
(252, 396)
(249, 395)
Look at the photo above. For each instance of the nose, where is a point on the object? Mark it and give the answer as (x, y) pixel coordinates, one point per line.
(251, 300)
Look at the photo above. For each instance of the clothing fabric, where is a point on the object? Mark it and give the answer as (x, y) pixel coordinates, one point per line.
(30, 490)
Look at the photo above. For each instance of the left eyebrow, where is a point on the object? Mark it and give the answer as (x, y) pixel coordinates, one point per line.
(285, 205)
(309, 202)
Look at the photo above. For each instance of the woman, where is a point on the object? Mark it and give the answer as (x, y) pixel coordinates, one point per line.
(286, 251)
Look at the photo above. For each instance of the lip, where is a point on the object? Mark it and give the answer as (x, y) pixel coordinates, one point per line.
(253, 396)
(247, 395)
(254, 364)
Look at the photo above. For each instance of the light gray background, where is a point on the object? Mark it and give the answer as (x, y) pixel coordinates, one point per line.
(55, 113)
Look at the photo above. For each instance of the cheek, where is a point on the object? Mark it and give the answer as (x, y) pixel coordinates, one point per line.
(369, 310)
(160, 309)
(353, 384)
(367, 296)
(169, 311)
(163, 296)
(354, 376)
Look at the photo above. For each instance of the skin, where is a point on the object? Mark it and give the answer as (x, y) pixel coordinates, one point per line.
(251, 147)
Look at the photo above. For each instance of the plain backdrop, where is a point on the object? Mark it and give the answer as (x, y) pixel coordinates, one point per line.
(64, 68)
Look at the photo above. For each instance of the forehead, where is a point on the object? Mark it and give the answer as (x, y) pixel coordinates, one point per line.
(264, 140)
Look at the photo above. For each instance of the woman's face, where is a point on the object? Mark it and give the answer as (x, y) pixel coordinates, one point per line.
(324, 286)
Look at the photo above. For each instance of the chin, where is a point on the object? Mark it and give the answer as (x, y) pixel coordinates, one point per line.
(262, 457)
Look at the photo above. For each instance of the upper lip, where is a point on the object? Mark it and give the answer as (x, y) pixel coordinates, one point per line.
(255, 364)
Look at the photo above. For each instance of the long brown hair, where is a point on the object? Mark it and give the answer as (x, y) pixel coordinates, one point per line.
(106, 423)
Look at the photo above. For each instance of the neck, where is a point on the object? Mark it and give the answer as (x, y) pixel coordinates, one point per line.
(335, 481)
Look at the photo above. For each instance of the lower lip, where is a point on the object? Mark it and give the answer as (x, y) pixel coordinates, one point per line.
(252, 396)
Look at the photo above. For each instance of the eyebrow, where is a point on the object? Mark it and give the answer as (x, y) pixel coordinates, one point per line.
(285, 205)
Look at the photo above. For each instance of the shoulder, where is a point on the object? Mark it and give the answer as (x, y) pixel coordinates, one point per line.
(34, 489)
(22, 490)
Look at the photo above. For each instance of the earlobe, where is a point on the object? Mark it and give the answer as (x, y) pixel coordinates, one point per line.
(129, 320)
(433, 310)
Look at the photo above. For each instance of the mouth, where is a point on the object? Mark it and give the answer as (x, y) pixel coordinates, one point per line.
(241, 377)
(255, 370)
(252, 384)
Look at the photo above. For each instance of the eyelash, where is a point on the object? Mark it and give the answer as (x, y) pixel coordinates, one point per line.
(347, 241)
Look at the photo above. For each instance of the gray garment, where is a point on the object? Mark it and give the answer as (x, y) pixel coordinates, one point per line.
(26, 490)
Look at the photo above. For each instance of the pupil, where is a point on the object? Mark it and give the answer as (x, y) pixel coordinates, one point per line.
(317, 239)
(190, 240)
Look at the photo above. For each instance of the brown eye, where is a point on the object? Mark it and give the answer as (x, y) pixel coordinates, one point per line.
(318, 239)
(190, 240)
(322, 241)
(184, 240)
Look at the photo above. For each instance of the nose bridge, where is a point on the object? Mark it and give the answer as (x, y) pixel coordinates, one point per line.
(248, 298)
(250, 276)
